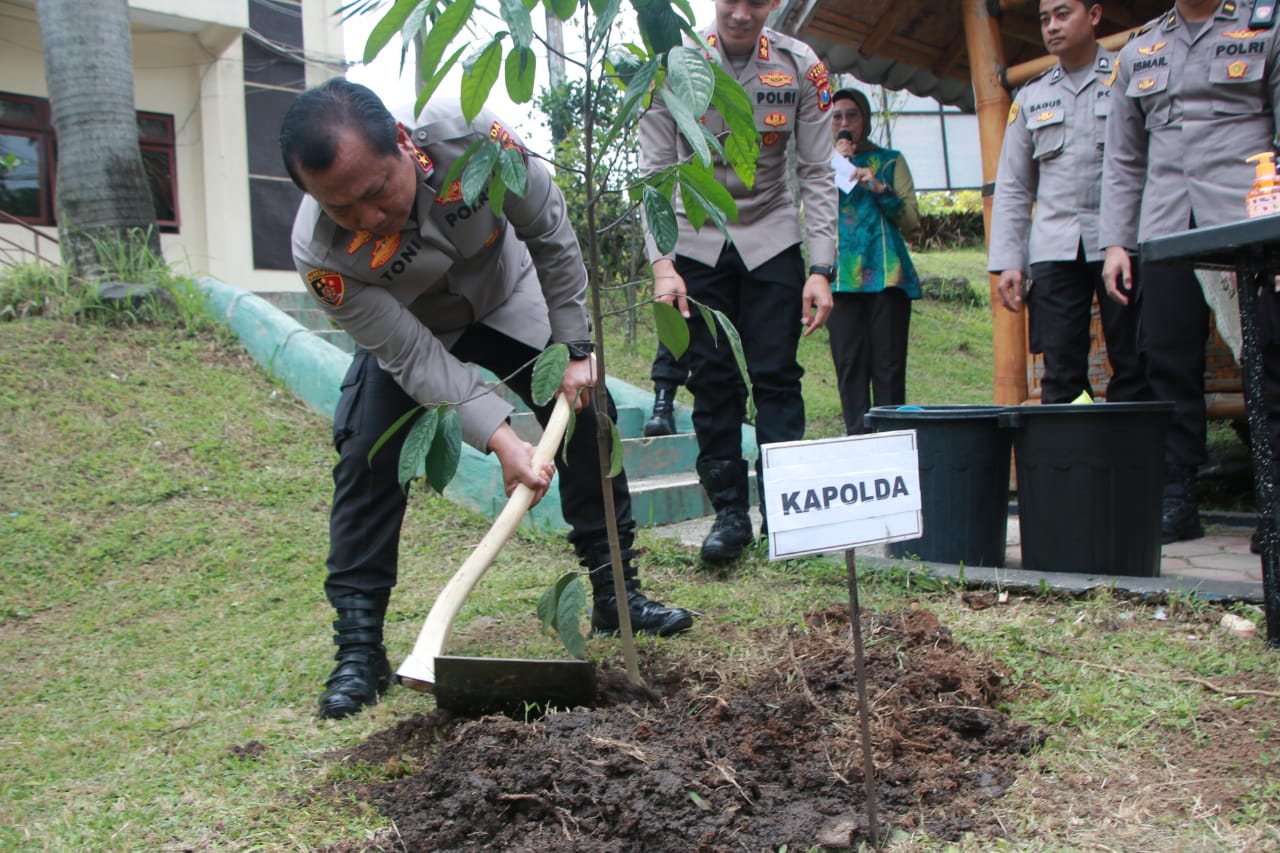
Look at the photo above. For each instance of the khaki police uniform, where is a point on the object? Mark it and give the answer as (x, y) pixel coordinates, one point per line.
(459, 288)
(1187, 107)
(1051, 162)
(758, 279)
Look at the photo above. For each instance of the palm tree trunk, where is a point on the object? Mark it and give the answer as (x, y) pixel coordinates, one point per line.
(102, 194)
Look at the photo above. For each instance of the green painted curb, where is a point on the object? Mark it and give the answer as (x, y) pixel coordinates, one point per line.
(312, 369)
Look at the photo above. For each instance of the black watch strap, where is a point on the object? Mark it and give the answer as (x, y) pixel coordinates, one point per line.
(824, 270)
(580, 350)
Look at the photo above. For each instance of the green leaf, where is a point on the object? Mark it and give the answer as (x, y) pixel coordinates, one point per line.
(414, 25)
(637, 91)
(689, 75)
(429, 85)
(455, 171)
(548, 373)
(570, 607)
(563, 9)
(479, 74)
(660, 27)
(475, 177)
(689, 125)
(549, 601)
(604, 21)
(661, 217)
(514, 172)
(704, 183)
(516, 14)
(413, 455)
(443, 31)
(391, 430)
(615, 449)
(497, 193)
(521, 65)
(742, 145)
(388, 27)
(709, 319)
(735, 343)
(673, 328)
(446, 448)
(694, 210)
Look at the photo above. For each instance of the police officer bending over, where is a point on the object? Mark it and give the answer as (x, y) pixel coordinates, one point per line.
(430, 288)
(759, 279)
(1052, 160)
(1196, 92)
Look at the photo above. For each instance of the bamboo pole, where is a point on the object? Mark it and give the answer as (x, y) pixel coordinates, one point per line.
(986, 57)
(1019, 74)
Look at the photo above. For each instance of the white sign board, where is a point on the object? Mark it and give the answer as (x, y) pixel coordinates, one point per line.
(839, 493)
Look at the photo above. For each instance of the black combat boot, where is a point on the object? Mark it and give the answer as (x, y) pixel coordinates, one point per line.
(1180, 515)
(725, 481)
(647, 617)
(363, 672)
(663, 420)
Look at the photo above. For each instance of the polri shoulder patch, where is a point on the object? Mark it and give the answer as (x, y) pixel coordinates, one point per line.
(1013, 114)
(327, 286)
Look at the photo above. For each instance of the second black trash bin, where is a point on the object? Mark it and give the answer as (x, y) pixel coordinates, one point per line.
(1090, 479)
(964, 481)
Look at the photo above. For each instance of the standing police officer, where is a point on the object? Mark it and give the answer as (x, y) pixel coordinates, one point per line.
(1052, 161)
(758, 280)
(1196, 92)
(429, 287)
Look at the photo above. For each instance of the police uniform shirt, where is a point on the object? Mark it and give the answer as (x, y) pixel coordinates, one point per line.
(409, 296)
(1052, 159)
(791, 93)
(1187, 109)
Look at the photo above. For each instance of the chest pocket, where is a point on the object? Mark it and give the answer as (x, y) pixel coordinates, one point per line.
(1048, 132)
(468, 230)
(1237, 84)
(1101, 109)
(1151, 88)
(775, 109)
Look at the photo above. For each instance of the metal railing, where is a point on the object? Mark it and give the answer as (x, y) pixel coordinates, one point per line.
(13, 253)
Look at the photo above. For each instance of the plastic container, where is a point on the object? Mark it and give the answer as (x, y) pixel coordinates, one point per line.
(1090, 481)
(964, 481)
(1264, 198)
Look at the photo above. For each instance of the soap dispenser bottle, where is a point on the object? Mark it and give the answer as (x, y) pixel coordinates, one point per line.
(1264, 198)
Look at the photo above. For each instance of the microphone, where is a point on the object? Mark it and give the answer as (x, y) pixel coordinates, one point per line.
(848, 137)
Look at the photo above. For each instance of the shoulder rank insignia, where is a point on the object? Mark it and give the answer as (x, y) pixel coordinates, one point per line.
(1013, 113)
(1103, 63)
(1264, 15)
(1229, 8)
(1155, 48)
(764, 47)
(327, 286)
(424, 162)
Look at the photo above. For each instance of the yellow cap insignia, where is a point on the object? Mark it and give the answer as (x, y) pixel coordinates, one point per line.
(1013, 113)
(1155, 48)
(1045, 116)
(1146, 83)
(1236, 70)
(775, 119)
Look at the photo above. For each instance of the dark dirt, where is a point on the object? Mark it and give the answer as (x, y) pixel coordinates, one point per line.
(748, 762)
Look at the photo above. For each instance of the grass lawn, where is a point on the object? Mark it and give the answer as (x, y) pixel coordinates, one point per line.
(164, 636)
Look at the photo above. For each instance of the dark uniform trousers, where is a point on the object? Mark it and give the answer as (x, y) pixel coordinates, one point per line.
(1060, 303)
(1173, 328)
(765, 306)
(868, 333)
(368, 504)
(667, 369)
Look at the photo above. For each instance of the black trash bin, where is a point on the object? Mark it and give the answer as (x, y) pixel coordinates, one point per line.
(964, 481)
(1090, 480)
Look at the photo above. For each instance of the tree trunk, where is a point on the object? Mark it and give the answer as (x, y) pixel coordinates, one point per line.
(102, 195)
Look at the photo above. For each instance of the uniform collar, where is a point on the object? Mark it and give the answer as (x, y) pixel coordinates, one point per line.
(1228, 10)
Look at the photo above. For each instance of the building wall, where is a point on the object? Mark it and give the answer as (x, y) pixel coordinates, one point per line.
(189, 60)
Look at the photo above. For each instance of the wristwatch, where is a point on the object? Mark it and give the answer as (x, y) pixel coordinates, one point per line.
(580, 350)
(826, 270)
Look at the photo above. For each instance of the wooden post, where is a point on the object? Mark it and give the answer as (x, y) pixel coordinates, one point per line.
(986, 57)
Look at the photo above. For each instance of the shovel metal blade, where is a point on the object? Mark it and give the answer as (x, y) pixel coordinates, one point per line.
(475, 686)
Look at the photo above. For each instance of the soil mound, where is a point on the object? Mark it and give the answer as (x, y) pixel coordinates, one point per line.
(719, 760)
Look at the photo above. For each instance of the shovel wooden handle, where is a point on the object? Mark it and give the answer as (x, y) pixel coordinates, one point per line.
(418, 670)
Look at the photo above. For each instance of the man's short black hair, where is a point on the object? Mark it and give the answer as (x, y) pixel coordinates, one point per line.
(310, 130)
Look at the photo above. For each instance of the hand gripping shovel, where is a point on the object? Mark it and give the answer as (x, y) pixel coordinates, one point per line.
(471, 686)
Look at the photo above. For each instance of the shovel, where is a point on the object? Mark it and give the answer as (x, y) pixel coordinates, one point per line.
(472, 686)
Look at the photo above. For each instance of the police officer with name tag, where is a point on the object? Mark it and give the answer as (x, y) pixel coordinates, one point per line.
(432, 287)
(1196, 92)
(758, 280)
(1052, 162)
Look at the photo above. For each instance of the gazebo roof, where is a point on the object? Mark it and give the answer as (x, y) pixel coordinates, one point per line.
(919, 45)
